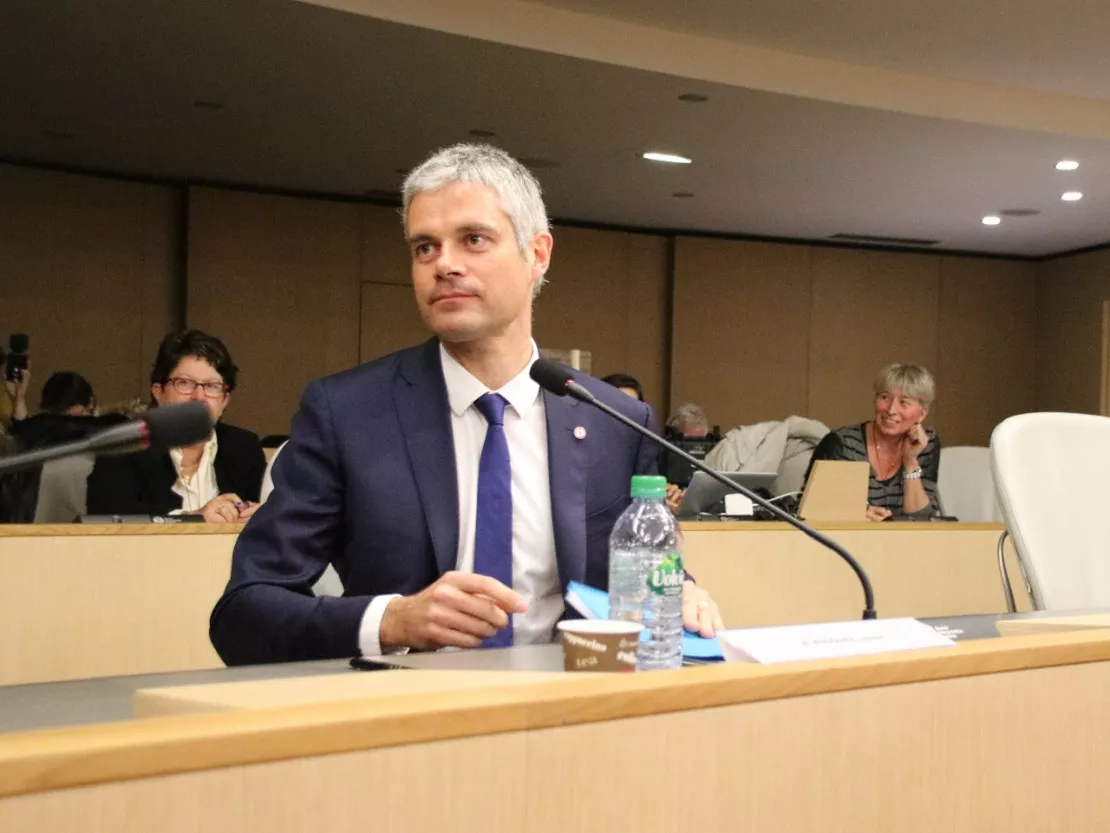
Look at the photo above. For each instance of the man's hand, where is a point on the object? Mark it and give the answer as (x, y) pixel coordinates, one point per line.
(878, 513)
(700, 613)
(459, 610)
(222, 509)
(674, 496)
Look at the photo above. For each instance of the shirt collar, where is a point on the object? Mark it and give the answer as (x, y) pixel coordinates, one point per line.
(463, 389)
(210, 449)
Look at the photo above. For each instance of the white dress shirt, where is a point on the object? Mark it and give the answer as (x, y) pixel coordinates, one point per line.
(201, 487)
(535, 569)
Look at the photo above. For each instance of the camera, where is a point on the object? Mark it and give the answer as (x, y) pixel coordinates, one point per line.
(16, 362)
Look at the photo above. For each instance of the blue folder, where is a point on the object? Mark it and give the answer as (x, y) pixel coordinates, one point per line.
(594, 604)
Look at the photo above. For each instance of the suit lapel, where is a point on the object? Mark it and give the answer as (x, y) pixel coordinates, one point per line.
(421, 399)
(566, 462)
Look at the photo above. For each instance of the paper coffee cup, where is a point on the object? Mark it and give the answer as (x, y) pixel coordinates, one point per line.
(599, 644)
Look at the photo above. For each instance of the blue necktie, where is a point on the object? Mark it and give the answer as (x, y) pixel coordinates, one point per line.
(493, 528)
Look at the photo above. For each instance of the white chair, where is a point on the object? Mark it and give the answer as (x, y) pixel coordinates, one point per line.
(966, 485)
(329, 583)
(1050, 471)
(268, 476)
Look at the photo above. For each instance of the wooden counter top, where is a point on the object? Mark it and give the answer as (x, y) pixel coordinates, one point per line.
(47, 760)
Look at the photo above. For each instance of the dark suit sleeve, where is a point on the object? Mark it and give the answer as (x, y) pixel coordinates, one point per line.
(115, 487)
(268, 612)
(252, 466)
(650, 454)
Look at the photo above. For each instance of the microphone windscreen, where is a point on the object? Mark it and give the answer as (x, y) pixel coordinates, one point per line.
(173, 426)
(18, 342)
(551, 376)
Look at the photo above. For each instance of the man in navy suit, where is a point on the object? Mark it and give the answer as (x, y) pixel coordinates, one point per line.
(398, 472)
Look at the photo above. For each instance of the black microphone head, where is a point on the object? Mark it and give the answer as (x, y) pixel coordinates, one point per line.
(551, 376)
(172, 426)
(18, 343)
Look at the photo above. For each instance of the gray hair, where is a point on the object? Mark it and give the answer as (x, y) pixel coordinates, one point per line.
(912, 379)
(516, 188)
(691, 415)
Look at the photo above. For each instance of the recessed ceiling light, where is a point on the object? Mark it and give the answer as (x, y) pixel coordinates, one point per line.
(673, 159)
(991, 220)
(683, 195)
(201, 104)
(1067, 165)
(1071, 196)
(693, 98)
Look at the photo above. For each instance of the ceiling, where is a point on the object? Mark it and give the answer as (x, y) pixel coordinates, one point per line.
(1057, 47)
(324, 101)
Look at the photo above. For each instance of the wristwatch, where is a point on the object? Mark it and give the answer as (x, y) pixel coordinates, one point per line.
(912, 475)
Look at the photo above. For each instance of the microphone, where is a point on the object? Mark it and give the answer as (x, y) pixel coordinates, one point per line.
(168, 427)
(556, 378)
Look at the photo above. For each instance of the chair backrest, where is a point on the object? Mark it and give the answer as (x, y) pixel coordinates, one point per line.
(1050, 472)
(329, 584)
(268, 476)
(966, 484)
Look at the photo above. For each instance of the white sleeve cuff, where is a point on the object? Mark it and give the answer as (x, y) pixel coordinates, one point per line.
(369, 631)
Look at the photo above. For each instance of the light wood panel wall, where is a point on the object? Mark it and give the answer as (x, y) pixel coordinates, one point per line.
(762, 331)
(1070, 293)
(91, 272)
(607, 292)
(752, 331)
(987, 360)
(277, 279)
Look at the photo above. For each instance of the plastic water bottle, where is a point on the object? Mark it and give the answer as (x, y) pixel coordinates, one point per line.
(646, 575)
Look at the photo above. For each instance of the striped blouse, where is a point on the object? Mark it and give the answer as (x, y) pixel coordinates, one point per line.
(850, 443)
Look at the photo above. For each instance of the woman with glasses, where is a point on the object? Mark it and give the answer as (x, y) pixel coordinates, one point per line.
(218, 479)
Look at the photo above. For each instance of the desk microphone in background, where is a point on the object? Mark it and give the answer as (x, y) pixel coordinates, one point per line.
(559, 380)
(170, 426)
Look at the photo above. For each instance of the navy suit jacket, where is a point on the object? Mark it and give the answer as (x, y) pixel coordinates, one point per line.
(367, 482)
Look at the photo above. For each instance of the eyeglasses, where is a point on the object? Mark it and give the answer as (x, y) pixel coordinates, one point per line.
(187, 386)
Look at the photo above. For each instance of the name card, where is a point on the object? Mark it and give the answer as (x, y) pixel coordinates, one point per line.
(827, 640)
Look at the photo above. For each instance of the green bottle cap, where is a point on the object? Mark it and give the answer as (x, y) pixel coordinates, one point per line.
(649, 486)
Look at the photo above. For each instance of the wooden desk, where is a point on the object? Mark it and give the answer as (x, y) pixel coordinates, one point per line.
(769, 573)
(84, 600)
(79, 601)
(919, 742)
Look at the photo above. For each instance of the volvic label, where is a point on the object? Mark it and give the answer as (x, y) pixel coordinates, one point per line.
(667, 578)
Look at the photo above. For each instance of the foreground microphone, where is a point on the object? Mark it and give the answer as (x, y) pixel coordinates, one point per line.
(558, 379)
(167, 427)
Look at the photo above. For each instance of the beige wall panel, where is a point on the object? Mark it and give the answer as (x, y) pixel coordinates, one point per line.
(390, 320)
(605, 294)
(986, 366)
(385, 257)
(88, 272)
(741, 329)
(277, 278)
(869, 309)
(1070, 292)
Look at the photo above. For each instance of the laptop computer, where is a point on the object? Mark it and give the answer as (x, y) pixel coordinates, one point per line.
(836, 491)
(704, 492)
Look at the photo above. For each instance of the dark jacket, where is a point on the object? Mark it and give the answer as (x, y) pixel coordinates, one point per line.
(368, 483)
(19, 490)
(142, 483)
